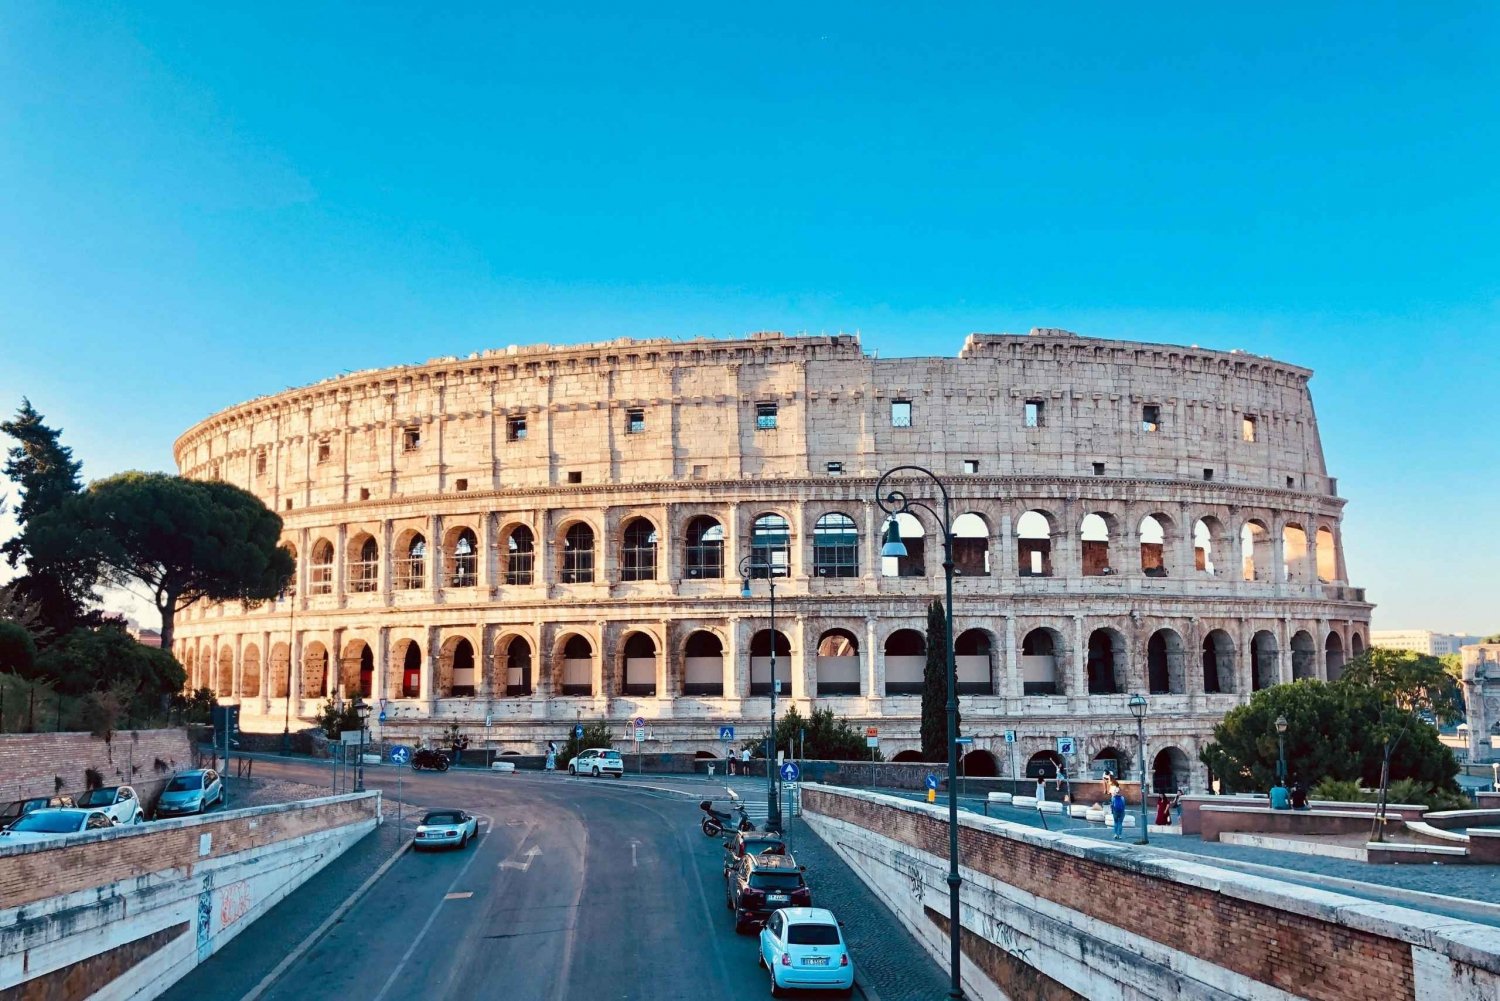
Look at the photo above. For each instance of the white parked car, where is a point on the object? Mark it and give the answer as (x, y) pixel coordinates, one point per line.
(446, 829)
(597, 761)
(120, 802)
(804, 948)
(46, 825)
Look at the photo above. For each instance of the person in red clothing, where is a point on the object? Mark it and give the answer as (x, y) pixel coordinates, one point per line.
(1163, 810)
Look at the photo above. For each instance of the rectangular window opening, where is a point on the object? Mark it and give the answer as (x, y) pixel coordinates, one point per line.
(515, 429)
(1151, 418)
(835, 469)
(765, 417)
(411, 439)
(1247, 428)
(900, 413)
(1035, 410)
(288, 503)
(324, 451)
(461, 485)
(260, 463)
(635, 420)
(700, 472)
(971, 466)
(575, 476)
(364, 493)
(1291, 482)
(1098, 469)
(1208, 474)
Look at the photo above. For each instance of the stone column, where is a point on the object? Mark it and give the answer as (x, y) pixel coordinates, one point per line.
(1078, 682)
(341, 566)
(665, 676)
(265, 673)
(874, 665)
(1185, 557)
(487, 554)
(429, 693)
(598, 676)
(237, 674)
(736, 662)
(1005, 563)
(486, 658)
(380, 687)
(800, 671)
(387, 562)
(435, 557)
(1284, 651)
(1011, 687)
(294, 674)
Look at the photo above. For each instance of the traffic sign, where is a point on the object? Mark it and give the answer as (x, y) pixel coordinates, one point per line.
(640, 721)
(963, 740)
(489, 721)
(1010, 736)
(400, 754)
(578, 731)
(872, 732)
(931, 781)
(381, 717)
(790, 771)
(1065, 747)
(726, 733)
(872, 741)
(640, 734)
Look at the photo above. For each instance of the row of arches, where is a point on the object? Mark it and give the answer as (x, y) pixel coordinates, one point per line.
(838, 666)
(837, 549)
(1171, 768)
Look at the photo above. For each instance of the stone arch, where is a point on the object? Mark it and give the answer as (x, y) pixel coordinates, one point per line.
(1171, 771)
(457, 668)
(1294, 552)
(515, 658)
(1110, 760)
(905, 662)
(638, 656)
(224, 685)
(1043, 765)
(315, 671)
(914, 537)
(575, 664)
(1154, 531)
(362, 564)
(703, 555)
(1034, 531)
(704, 756)
(518, 550)
(1218, 663)
(576, 542)
(356, 669)
(770, 546)
(1328, 557)
(835, 546)
(1209, 546)
(703, 663)
(406, 669)
(1107, 662)
(290, 591)
(980, 763)
(1304, 655)
(760, 662)
(1255, 550)
(1333, 656)
(974, 659)
(460, 557)
(190, 666)
(1356, 644)
(250, 671)
(411, 561)
(280, 663)
(1265, 660)
(971, 545)
(908, 755)
(837, 663)
(1094, 533)
(1165, 671)
(638, 548)
(1041, 658)
(320, 568)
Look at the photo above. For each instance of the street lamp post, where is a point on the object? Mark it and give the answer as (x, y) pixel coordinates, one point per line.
(362, 710)
(1138, 710)
(291, 653)
(894, 503)
(1281, 726)
(748, 567)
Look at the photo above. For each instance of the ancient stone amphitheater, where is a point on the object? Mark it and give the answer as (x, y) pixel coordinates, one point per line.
(529, 537)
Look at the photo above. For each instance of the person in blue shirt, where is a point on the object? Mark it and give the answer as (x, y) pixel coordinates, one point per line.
(1117, 809)
(1280, 798)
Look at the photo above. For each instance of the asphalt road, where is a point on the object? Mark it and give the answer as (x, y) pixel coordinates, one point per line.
(577, 888)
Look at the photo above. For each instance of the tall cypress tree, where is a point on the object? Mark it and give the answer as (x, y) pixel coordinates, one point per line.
(935, 687)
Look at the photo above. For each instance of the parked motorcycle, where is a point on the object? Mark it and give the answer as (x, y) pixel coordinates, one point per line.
(426, 757)
(716, 822)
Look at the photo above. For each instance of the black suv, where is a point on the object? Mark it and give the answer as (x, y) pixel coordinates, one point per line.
(756, 885)
(743, 843)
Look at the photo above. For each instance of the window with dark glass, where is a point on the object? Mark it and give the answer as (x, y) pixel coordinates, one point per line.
(770, 546)
(638, 551)
(635, 420)
(520, 556)
(705, 549)
(465, 560)
(515, 428)
(411, 439)
(578, 555)
(1150, 417)
(765, 417)
(835, 546)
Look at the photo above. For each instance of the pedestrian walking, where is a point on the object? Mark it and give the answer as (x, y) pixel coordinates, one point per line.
(551, 755)
(1041, 789)
(1117, 809)
(1163, 810)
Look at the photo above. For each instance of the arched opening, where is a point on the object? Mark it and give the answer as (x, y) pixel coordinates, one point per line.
(1039, 652)
(463, 559)
(705, 549)
(1266, 660)
(770, 548)
(1333, 657)
(1034, 545)
(366, 673)
(638, 550)
(1043, 765)
(320, 571)
(640, 664)
(411, 562)
(520, 556)
(704, 756)
(1109, 762)
(225, 686)
(356, 669)
(363, 570)
(974, 657)
(1356, 644)
(1164, 663)
(980, 764)
(1106, 662)
(406, 668)
(1328, 557)
(190, 668)
(1218, 663)
(1255, 550)
(281, 662)
(578, 554)
(1170, 771)
(1304, 656)
(1207, 555)
(760, 663)
(577, 666)
(456, 668)
(971, 546)
(835, 546)
(290, 591)
(314, 671)
(1153, 547)
(1294, 552)
(905, 662)
(516, 658)
(914, 538)
(250, 672)
(908, 755)
(838, 663)
(703, 664)
(1093, 532)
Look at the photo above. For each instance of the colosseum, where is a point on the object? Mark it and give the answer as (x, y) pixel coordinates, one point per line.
(533, 536)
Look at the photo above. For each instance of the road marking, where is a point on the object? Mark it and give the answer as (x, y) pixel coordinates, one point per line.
(459, 896)
(530, 853)
(633, 843)
(570, 936)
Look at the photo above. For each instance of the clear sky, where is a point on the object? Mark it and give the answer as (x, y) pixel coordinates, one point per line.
(200, 205)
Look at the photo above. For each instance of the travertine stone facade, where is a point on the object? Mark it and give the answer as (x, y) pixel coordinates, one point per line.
(1481, 684)
(537, 535)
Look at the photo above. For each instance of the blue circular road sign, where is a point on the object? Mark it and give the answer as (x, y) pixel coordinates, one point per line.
(790, 771)
(400, 754)
(931, 781)
(578, 731)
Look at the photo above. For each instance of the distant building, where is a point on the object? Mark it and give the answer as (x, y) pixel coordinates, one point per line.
(145, 637)
(1481, 683)
(1421, 641)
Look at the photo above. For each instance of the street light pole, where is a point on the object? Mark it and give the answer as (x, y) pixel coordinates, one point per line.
(1281, 726)
(894, 503)
(291, 653)
(362, 710)
(1138, 710)
(748, 566)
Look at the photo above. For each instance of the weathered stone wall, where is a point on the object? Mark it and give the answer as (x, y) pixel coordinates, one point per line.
(1047, 914)
(366, 465)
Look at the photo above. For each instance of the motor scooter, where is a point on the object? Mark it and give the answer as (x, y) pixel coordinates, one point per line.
(716, 822)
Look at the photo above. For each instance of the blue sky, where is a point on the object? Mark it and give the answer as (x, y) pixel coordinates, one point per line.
(201, 205)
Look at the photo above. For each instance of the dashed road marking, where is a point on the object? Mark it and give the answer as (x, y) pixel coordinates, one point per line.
(459, 896)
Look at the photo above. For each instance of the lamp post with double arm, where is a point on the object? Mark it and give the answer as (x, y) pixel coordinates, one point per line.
(1138, 710)
(894, 503)
(750, 567)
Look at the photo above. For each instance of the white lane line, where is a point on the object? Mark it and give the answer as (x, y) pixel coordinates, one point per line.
(570, 934)
(633, 843)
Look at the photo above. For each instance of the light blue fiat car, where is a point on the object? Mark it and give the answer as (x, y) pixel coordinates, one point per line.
(804, 949)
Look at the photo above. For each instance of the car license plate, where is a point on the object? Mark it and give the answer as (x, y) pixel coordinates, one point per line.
(816, 961)
(777, 898)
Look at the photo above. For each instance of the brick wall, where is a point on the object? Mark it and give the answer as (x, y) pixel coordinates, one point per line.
(31, 763)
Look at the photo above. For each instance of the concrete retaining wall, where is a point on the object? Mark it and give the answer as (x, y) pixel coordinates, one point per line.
(1056, 916)
(124, 913)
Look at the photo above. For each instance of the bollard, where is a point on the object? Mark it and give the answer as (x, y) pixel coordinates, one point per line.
(932, 795)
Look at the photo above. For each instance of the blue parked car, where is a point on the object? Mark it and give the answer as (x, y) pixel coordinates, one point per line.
(803, 947)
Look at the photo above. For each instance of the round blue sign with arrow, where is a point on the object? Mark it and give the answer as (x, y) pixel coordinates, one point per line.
(931, 781)
(578, 731)
(400, 754)
(790, 771)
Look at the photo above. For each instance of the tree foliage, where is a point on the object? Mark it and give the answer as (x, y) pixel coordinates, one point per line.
(17, 649)
(594, 735)
(823, 736)
(195, 707)
(1408, 682)
(107, 658)
(935, 687)
(337, 718)
(185, 540)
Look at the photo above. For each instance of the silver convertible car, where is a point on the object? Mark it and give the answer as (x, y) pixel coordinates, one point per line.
(446, 829)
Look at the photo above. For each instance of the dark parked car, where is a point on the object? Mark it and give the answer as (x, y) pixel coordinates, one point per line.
(743, 843)
(13, 812)
(756, 885)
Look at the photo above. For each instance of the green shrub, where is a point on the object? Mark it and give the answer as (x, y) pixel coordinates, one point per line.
(1339, 791)
(594, 735)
